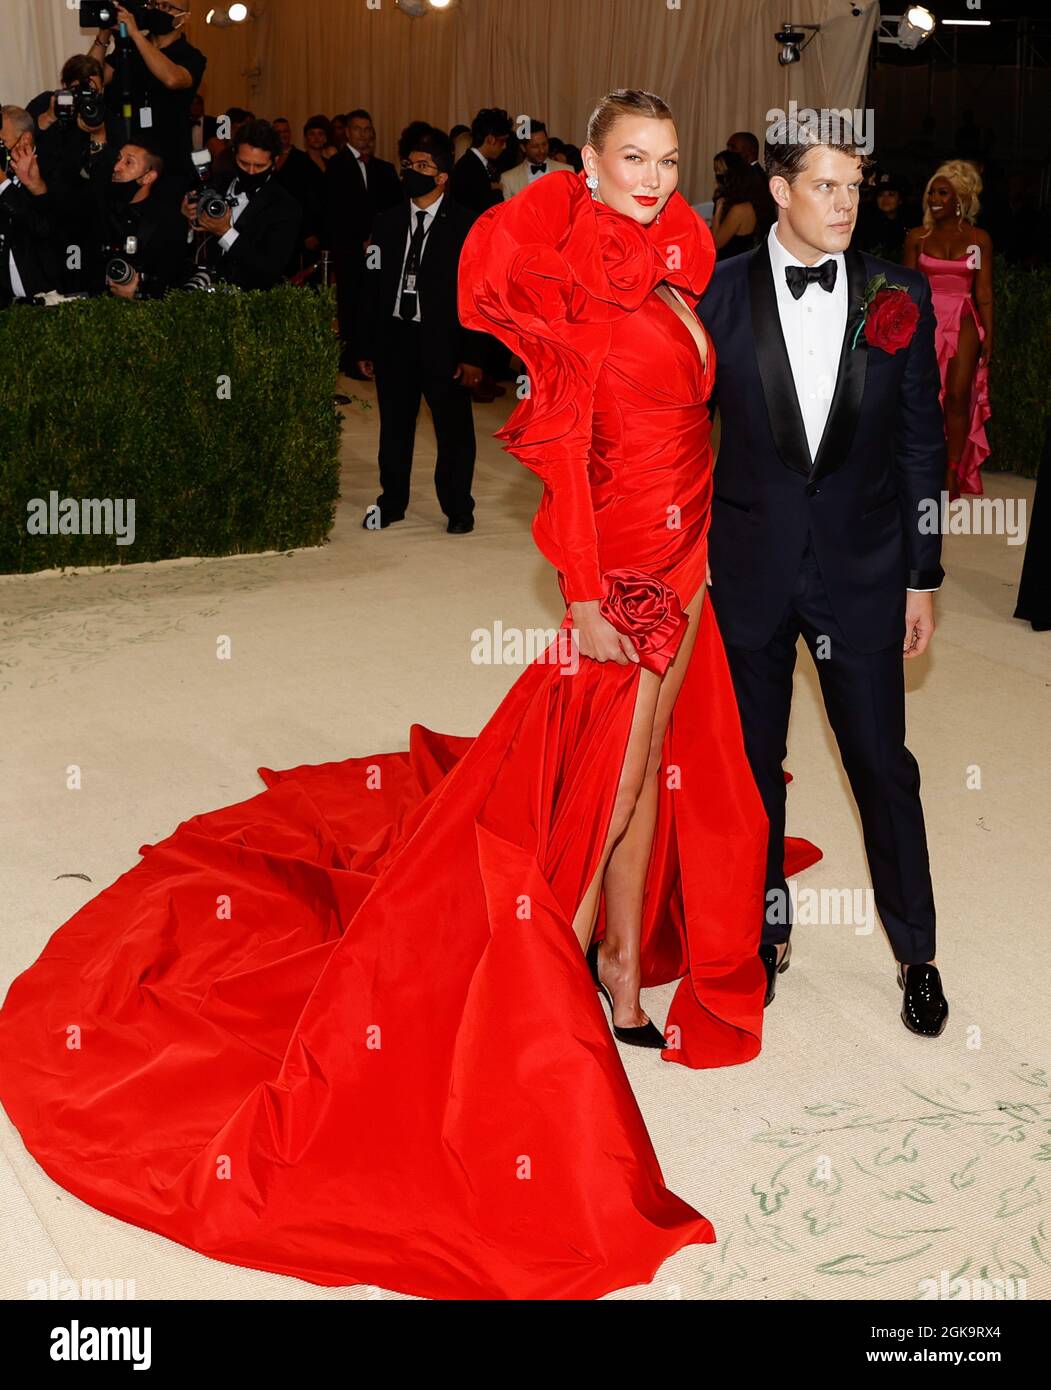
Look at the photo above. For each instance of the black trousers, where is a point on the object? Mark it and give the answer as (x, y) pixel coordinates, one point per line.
(401, 381)
(864, 695)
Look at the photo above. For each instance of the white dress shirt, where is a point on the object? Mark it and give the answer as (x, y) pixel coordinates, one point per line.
(17, 288)
(363, 168)
(228, 238)
(813, 327)
(428, 219)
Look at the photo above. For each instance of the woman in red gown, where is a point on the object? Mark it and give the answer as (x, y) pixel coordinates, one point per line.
(344, 1030)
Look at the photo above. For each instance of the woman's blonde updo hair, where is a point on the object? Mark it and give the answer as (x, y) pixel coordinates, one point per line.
(967, 184)
(625, 101)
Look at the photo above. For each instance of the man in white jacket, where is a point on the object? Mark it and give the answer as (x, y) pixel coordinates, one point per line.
(535, 163)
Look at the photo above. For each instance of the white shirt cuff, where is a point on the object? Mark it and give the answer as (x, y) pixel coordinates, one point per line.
(922, 591)
(228, 238)
(4, 186)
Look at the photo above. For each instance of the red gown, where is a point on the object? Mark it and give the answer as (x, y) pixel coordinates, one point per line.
(343, 1030)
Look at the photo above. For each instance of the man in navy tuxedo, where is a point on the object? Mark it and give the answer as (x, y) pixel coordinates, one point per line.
(832, 453)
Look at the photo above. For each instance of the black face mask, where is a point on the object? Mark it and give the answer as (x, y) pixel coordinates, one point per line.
(121, 194)
(252, 183)
(418, 185)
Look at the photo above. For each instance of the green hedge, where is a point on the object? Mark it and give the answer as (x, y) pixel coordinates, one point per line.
(108, 399)
(1020, 374)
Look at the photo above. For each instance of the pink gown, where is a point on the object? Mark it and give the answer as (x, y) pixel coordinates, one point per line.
(952, 285)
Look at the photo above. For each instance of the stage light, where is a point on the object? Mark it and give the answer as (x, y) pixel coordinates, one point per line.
(222, 16)
(915, 25)
(906, 30)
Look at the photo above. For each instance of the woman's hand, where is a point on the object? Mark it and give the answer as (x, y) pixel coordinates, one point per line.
(598, 638)
(986, 354)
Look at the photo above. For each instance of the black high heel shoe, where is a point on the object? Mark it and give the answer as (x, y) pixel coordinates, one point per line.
(647, 1035)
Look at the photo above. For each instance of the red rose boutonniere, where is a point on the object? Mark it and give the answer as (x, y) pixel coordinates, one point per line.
(888, 316)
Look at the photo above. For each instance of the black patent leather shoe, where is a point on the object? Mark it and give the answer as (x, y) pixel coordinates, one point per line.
(924, 1008)
(645, 1036)
(460, 525)
(768, 955)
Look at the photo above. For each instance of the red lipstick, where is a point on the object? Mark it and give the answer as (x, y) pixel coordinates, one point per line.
(645, 202)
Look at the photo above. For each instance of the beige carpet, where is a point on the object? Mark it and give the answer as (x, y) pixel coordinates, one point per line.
(850, 1160)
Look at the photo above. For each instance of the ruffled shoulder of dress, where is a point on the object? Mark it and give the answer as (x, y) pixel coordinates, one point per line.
(553, 241)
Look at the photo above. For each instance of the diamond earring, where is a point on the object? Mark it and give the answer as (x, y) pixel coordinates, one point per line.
(592, 183)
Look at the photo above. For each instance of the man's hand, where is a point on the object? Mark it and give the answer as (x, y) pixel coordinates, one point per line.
(188, 208)
(468, 374)
(47, 118)
(127, 291)
(126, 17)
(24, 163)
(219, 225)
(919, 622)
(366, 368)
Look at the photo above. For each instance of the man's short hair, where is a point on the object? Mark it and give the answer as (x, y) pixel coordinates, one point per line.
(787, 147)
(752, 141)
(154, 158)
(435, 143)
(491, 120)
(358, 114)
(19, 118)
(261, 135)
(80, 69)
(535, 128)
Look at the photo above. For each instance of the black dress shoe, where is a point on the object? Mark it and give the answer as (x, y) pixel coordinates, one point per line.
(460, 525)
(370, 522)
(645, 1036)
(924, 1008)
(768, 955)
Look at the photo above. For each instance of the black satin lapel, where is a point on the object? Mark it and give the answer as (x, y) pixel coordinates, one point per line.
(779, 388)
(850, 379)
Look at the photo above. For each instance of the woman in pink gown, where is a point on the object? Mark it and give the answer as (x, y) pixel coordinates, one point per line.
(957, 258)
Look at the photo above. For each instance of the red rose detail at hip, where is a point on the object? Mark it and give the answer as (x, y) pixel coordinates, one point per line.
(646, 610)
(891, 320)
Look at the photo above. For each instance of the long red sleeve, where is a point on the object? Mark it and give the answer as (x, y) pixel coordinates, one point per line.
(523, 275)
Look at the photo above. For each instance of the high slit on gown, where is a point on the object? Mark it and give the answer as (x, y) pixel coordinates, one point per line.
(343, 1030)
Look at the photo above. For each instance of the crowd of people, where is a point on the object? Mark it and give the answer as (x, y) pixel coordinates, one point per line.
(97, 201)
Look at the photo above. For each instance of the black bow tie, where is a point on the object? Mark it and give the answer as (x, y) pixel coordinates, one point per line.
(799, 276)
(537, 168)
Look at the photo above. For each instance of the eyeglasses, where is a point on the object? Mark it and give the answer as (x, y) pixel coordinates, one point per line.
(422, 166)
(166, 7)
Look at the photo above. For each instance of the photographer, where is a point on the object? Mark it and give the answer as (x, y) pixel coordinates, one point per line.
(141, 238)
(249, 241)
(163, 72)
(77, 107)
(30, 253)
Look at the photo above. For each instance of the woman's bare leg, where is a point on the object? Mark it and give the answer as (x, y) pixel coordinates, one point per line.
(631, 779)
(959, 377)
(625, 876)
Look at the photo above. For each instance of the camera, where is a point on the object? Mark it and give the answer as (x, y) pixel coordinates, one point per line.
(102, 14)
(5, 159)
(208, 200)
(85, 102)
(121, 268)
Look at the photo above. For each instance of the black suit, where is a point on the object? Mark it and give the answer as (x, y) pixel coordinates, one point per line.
(30, 228)
(352, 203)
(826, 548)
(414, 359)
(471, 184)
(267, 235)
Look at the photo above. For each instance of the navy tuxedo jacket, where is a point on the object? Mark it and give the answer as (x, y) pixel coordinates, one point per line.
(861, 500)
